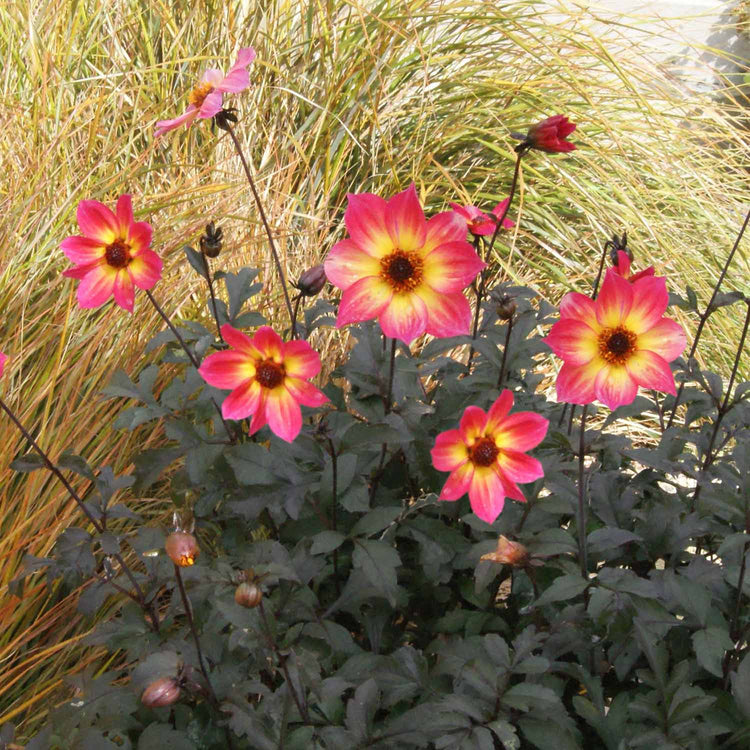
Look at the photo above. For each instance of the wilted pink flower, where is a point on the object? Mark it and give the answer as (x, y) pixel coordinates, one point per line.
(111, 255)
(508, 553)
(622, 268)
(268, 379)
(549, 135)
(406, 271)
(612, 345)
(486, 457)
(205, 99)
(478, 222)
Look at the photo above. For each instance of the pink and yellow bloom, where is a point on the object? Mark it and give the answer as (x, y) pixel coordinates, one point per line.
(111, 255)
(622, 268)
(479, 223)
(402, 269)
(616, 343)
(205, 99)
(268, 379)
(486, 456)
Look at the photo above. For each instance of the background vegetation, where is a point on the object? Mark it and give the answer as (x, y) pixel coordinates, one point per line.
(347, 96)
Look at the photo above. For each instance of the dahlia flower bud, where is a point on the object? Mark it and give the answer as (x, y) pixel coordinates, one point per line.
(508, 553)
(162, 692)
(248, 595)
(549, 135)
(312, 281)
(211, 241)
(506, 308)
(182, 548)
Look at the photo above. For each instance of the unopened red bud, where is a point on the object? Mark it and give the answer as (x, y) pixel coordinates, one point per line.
(549, 135)
(506, 307)
(312, 281)
(248, 595)
(162, 692)
(508, 553)
(182, 548)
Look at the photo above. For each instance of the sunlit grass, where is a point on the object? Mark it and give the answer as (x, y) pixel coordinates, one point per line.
(347, 96)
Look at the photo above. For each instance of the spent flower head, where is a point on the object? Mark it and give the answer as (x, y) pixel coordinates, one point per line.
(111, 255)
(486, 455)
(402, 269)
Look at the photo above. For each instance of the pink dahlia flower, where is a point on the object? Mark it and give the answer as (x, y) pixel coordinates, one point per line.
(486, 457)
(111, 255)
(268, 379)
(549, 135)
(478, 222)
(205, 99)
(612, 345)
(406, 271)
(3, 359)
(622, 268)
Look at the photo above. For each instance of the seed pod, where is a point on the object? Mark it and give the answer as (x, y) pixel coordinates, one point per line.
(182, 548)
(312, 281)
(248, 595)
(506, 308)
(163, 692)
(211, 241)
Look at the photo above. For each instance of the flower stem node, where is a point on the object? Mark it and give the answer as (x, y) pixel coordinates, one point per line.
(211, 240)
(312, 281)
(506, 308)
(182, 548)
(162, 692)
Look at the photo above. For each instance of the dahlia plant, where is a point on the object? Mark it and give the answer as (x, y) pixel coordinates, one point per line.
(315, 589)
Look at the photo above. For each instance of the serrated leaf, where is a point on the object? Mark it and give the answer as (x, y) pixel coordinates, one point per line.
(376, 520)
(326, 541)
(565, 588)
(378, 561)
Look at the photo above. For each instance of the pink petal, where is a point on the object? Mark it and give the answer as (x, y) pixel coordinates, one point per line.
(666, 338)
(519, 467)
(573, 341)
(212, 76)
(467, 212)
(575, 383)
(240, 341)
(123, 290)
(473, 424)
(614, 301)
(405, 220)
(452, 266)
(283, 414)
(124, 213)
(486, 494)
(211, 105)
(442, 228)
(614, 386)
(78, 272)
(228, 369)
(499, 210)
(579, 306)
(82, 250)
(363, 300)
(305, 393)
(244, 57)
(499, 411)
(346, 264)
(96, 287)
(511, 489)
(365, 222)
(243, 401)
(97, 221)
(259, 417)
(449, 452)
(458, 482)
(3, 360)
(268, 343)
(649, 370)
(185, 119)
(650, 300)
(404, 317)
(623, 264)
(447, 314)
(300, 359)
(520, 431)
(235, 81)
(145, 269)
(139, 236)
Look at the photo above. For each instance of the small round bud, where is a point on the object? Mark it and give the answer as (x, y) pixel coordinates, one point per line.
(312, 281)
(162, 692)
(506, 307)
(182, 548)
(248, 595)
(211, 241)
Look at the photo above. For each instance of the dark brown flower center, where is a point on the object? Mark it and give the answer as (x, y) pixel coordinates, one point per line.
(269, 374)
(199, 93)
(483, 452)
(616, 345)
(402, 270)
(117, 254)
